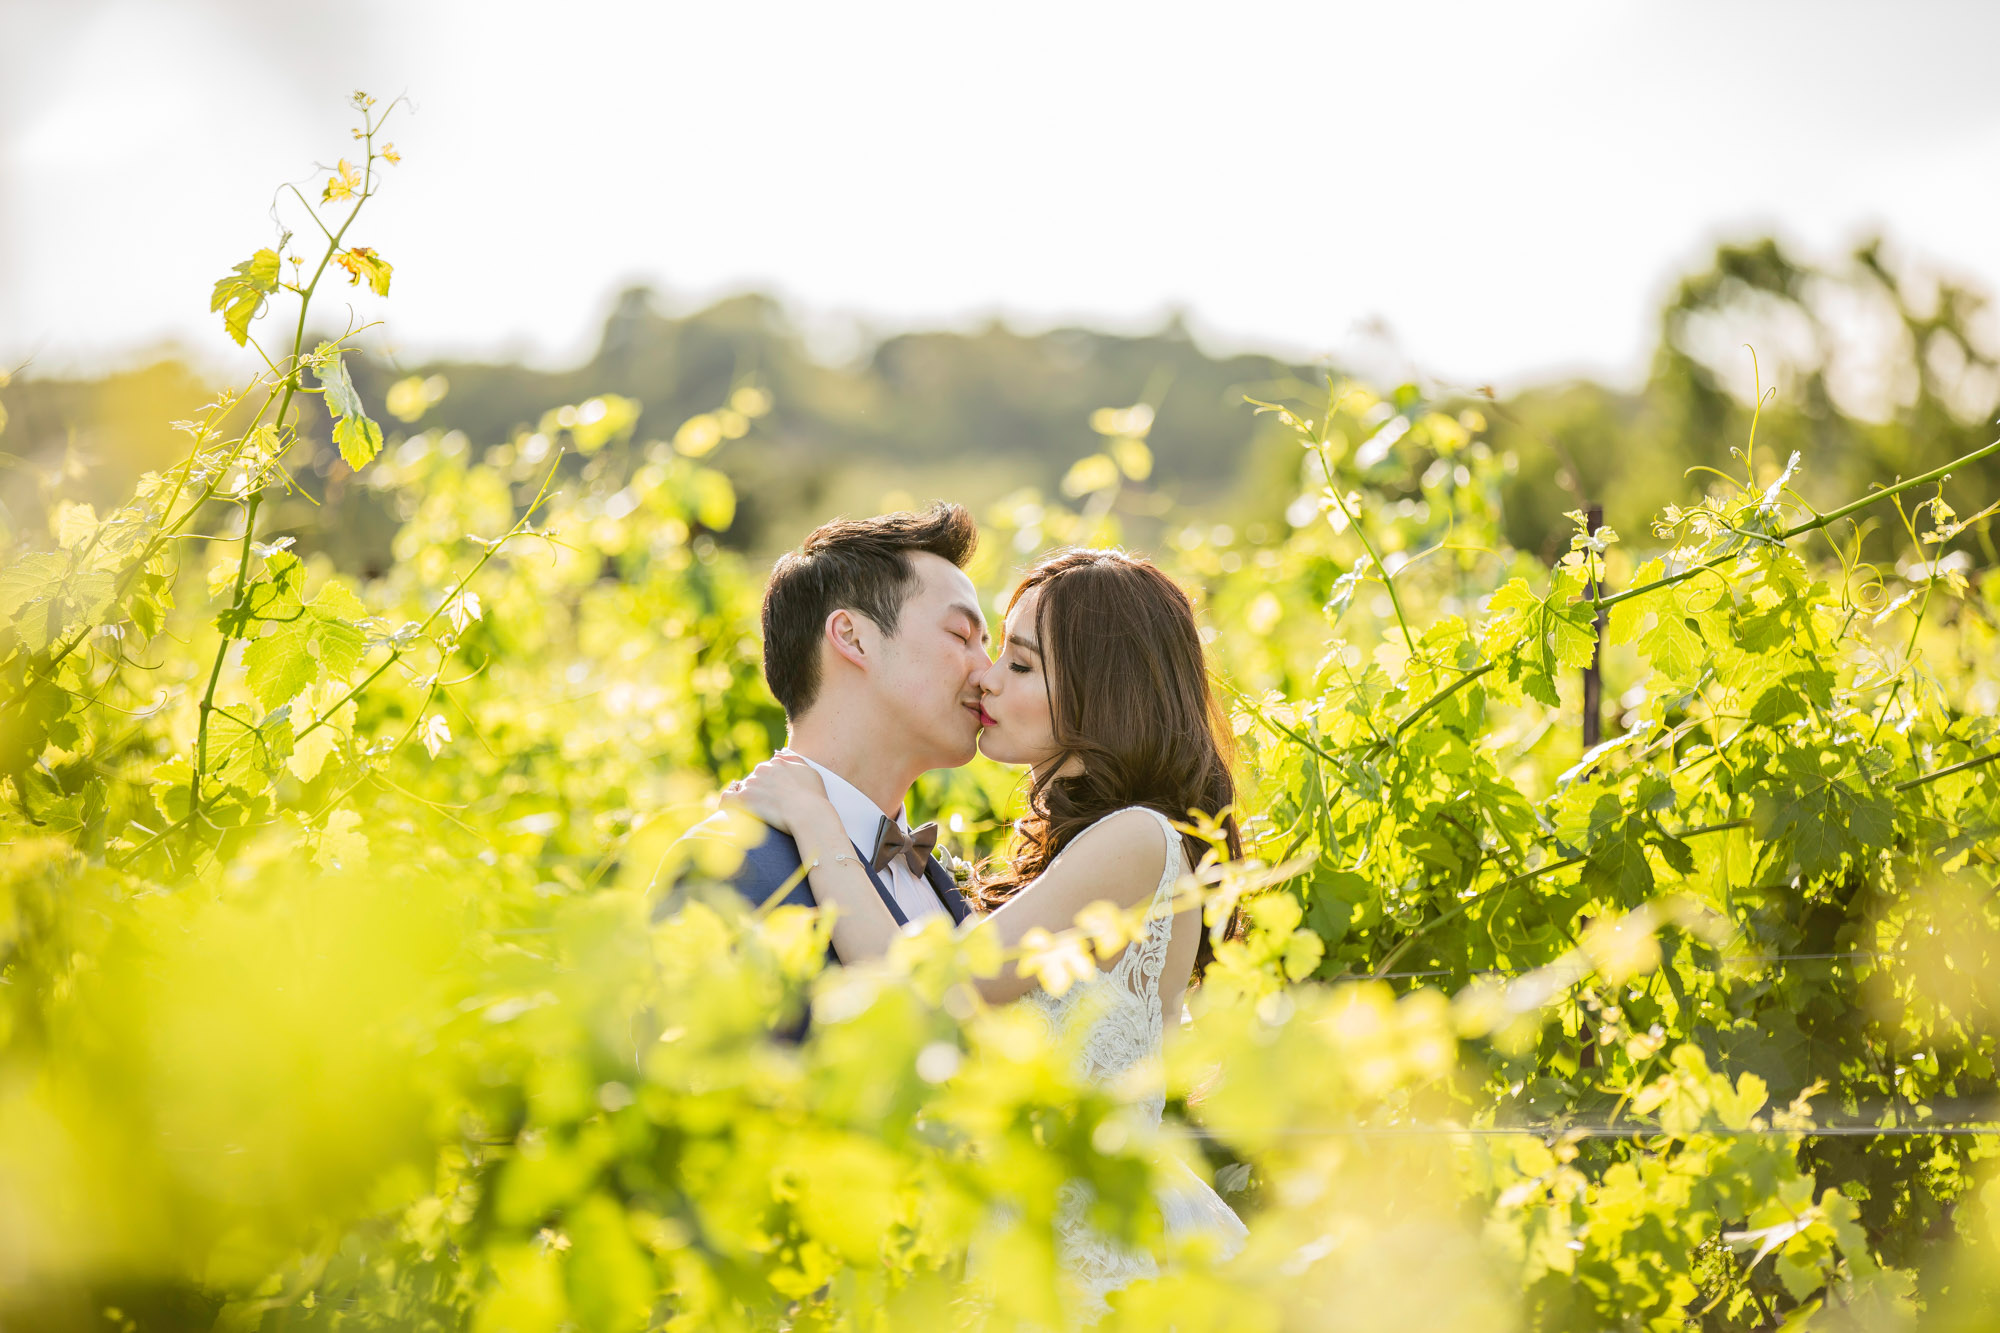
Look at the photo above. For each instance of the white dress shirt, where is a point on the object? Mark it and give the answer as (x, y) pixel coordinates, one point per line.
(861, 818)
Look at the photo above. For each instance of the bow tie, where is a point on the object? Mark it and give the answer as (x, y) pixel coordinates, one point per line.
(914, 847)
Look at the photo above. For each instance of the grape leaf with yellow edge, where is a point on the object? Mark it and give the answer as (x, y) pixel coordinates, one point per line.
(359, 438)
(240, 294)
(362, 262)
(342, 184)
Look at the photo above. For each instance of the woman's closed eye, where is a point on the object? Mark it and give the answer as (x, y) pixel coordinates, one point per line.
(1020, 668)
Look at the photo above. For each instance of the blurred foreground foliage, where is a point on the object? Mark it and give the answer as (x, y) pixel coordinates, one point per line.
(351, 977)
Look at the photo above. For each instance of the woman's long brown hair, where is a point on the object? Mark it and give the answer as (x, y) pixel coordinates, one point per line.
(1130, 699)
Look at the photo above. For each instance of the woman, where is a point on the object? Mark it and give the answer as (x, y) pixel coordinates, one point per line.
(1100, 689)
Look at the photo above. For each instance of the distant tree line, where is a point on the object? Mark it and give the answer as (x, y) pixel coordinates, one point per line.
(993, 412)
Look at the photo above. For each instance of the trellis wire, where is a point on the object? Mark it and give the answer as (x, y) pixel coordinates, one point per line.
(1965, 1118)
(1736, 958)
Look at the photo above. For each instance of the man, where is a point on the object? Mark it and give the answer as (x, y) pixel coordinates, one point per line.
(874, 644)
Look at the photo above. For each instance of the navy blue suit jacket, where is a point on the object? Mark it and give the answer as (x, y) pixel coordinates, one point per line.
(766, 867)
(771, 862)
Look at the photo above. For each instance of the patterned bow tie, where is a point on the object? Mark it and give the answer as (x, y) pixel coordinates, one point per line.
(914, 847)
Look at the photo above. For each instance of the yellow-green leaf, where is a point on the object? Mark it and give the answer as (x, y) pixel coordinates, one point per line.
(362, 262)
(240, 294)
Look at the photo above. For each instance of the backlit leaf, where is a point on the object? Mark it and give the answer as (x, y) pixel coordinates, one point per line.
(359, 438)
(240, 294)
(346, 179)
(363, 263)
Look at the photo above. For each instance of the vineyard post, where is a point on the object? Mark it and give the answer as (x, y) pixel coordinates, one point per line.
(1593, 723)
(1593, 674)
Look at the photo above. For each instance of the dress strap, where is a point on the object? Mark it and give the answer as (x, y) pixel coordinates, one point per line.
(1170, 873)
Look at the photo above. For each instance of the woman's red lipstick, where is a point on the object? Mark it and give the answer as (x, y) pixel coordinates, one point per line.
(986, 719)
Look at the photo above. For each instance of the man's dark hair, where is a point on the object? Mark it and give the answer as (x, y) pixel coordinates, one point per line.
(860, 565)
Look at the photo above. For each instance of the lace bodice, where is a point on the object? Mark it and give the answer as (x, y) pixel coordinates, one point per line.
(1122, 1005)
(1120, 1045)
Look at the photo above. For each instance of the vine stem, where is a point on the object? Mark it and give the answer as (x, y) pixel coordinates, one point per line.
(1916, 627)
(166, 534)
(1438, 698)
(288, 391)
(1538, 872)
(1388, 578)
(492, 549)
(1813, 524)
(1979, 762)
(222, 655)
(283, 393)
(133, 856)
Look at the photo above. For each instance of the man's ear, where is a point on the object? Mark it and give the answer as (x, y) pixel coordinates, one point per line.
(843, 635)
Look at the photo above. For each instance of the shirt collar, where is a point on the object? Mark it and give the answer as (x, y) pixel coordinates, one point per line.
(859, 816)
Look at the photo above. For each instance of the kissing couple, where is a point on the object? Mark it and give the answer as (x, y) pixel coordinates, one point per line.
(875, 645)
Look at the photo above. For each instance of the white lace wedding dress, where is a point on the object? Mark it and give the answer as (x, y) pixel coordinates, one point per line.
(1125, 1026)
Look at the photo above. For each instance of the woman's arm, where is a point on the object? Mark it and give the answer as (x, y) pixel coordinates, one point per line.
(862, 926)
(787, 794)
(1119, 860)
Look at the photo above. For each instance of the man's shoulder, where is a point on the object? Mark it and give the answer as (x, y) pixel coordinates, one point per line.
(726, 848)
(736, 829)
(757, 842)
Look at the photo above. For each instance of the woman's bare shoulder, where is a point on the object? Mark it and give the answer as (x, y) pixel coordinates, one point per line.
(1123, 853)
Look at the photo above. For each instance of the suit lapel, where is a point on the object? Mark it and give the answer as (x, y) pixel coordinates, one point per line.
(946, 889)
(881, 889)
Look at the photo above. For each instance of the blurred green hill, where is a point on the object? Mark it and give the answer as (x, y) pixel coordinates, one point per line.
(966, 415)
(1872, 372)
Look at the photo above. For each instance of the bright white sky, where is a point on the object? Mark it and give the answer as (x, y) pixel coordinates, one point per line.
(1509, 189)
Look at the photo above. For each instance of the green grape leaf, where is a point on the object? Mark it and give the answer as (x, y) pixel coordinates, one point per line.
(44, 599)
(1618, 870)
(1778, 702)
(1535, 638)
(150, 603)
(1674, 645)
(244, 756)
(1817, 817)
(304, 643)
(172, 781)
(1334, 902)
(265, 600)
(1436, 844)
(29, 579)
(1670, 634)
(1627, 616)
(26, 726)
(1764, 632)
(1677, 853)
(311, 749)
(240, 294)
(359, 438)
(341, 844)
